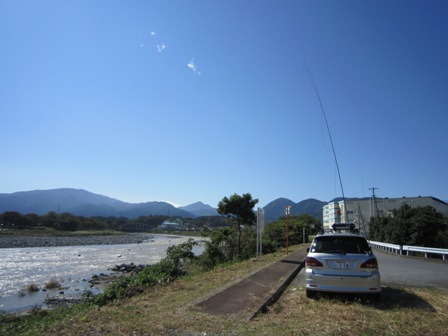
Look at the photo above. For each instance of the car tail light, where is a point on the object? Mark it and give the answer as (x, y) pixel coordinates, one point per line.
(371, 263)
(310, 261)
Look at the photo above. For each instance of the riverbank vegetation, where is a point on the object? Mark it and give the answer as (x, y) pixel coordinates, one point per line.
(53, 223)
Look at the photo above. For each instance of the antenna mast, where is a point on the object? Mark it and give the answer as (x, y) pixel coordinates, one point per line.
(331, 139)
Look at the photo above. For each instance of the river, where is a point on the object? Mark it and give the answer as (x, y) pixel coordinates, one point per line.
(72, 266)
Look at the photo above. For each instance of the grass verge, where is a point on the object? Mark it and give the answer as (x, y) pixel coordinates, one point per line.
(165, 310)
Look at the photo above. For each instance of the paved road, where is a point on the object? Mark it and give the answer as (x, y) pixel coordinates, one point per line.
(414, 272)
(398, 270)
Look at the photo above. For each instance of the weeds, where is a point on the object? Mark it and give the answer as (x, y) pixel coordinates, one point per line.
(32, 287)
(53, 284)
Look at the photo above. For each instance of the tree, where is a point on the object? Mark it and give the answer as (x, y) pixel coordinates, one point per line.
(11, 218)
(276, 231)
(419, 226)
(50, 219)
(240, 210)
(377, 228)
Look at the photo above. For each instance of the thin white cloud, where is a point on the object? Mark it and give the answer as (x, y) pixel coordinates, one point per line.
(192, 65)
(161, 47)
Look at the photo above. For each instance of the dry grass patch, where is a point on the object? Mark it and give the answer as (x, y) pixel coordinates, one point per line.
(32, 287)
(401, 312)
(53, 284)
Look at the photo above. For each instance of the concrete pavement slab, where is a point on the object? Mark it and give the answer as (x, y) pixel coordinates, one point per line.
(253, 294)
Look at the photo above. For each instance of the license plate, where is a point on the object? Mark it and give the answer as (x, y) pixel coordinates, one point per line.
(341, 265)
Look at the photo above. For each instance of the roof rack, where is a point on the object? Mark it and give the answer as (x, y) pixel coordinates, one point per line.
(345, 227)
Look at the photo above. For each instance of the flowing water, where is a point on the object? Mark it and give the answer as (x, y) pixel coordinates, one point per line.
(72, 266)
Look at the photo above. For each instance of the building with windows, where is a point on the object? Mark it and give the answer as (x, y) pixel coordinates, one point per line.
(175, 225)
(360, 210)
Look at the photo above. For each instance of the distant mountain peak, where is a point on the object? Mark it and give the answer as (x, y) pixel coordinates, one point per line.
(85, 203)
(200, 209)
(196, 204)
(276, 208)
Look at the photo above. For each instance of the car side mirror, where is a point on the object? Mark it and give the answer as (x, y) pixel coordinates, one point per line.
(307, 250)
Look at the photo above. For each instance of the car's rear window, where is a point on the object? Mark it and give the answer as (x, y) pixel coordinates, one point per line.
(340, 244)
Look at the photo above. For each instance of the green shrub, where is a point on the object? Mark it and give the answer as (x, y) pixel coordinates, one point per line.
(166, 270)
(269, 246)
(116, 290)
(161, 272)
(223, 246)
(211, 257)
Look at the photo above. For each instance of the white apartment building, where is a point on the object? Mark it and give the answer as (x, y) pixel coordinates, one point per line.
(359, 211)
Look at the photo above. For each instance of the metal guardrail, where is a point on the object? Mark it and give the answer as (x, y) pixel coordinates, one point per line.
(400, 249)
(426, 250)
(386, 247)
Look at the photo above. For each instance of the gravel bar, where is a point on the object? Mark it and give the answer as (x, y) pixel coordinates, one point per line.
(21, 241)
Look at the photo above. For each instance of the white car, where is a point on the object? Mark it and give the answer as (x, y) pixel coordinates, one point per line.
(342, 262)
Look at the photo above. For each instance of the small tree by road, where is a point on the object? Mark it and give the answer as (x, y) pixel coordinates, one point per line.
(240, 210)
(275, 232)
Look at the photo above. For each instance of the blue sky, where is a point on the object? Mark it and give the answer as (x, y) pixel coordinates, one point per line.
(187, 101)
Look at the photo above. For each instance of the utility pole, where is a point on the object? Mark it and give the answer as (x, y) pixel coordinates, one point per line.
(287, 210)
(373, 206)
(260, 229)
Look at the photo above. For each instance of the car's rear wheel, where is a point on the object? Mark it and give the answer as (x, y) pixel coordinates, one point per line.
(310, 294)
(376, 297)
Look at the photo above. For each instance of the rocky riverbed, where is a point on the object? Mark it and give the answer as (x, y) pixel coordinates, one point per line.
(22, 241)
(97, 281)
(79, 264)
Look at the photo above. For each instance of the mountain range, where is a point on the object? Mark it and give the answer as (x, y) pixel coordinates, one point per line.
(84, 203)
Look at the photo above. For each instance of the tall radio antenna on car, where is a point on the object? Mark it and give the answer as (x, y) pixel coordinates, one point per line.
(310, 76)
